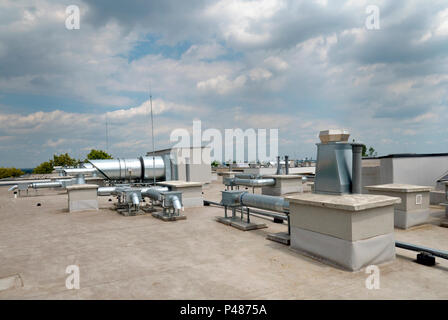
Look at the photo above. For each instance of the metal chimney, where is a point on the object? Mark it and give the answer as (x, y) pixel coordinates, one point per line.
(286, 164)
(279, 168)
(357, 167)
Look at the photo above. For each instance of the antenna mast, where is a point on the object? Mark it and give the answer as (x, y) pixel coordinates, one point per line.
(152, 135)
(107, 136)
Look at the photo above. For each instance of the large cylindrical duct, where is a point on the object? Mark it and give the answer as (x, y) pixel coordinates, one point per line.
(272, 203)
(356, 167)
(130, 169)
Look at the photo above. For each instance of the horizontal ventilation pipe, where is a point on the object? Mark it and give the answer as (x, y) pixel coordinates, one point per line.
(106, 191)
(272, 203)
(130, 169)
(245, 176)
(41, 185)
(253, 182)
(154, 193)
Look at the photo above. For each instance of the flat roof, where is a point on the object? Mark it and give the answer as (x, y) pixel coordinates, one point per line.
(141, 257)
(409, 155)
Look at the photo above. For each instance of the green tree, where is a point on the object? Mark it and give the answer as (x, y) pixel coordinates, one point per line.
(44, 167)
(368, 153)
(215, 163)
(98, 154)
(62, 160)
(10, 172)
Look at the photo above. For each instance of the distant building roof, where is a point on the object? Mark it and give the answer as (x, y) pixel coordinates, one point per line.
(412, 155)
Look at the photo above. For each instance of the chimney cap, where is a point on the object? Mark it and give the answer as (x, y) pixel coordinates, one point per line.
(334, 135)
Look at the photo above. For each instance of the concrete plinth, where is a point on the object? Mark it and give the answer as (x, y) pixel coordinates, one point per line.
(226, 174)
(350, 231)
(163, 217)
(414, 207)
(82, 197)
(241, 224)
(284, 184)
(191, 192)
(95, 180)
(280, 237)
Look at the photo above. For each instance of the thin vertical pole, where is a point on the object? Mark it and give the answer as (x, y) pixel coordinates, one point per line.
(153, 144)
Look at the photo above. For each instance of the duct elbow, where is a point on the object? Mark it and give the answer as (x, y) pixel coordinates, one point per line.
(135, 199)
(176, 203)
(14, 187)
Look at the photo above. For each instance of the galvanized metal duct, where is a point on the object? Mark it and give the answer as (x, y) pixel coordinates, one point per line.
(272, 203)
(356, 167)
(106, 191)
(253, 182)
(41, 185)
(154, 193)
(76, 171)
(135, 199)
(245, 176)
(129, 169)
(175, 201)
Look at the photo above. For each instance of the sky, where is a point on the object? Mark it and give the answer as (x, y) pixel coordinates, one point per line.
(296, 66)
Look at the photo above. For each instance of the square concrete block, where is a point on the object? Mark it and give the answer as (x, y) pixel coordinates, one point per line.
(82, 197)
(284, 184)
(191, 192)
(414, 207)
(352, 230)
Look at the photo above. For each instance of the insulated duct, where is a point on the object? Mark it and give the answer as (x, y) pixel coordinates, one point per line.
(272, 203)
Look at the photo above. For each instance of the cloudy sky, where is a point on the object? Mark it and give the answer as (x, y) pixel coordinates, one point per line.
(299, 66)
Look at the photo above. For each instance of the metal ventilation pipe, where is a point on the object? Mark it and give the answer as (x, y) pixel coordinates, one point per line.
(279, 168)
(254, 182)
(187, 169)
(272, 203)
(41, 185)
(135, 199)
(356, 167)
(130, 169)
(80, 178)
(286, 164)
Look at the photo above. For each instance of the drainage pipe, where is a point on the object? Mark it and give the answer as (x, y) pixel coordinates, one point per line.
(435, 252)
(356, 167)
